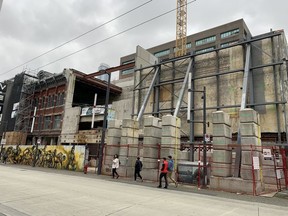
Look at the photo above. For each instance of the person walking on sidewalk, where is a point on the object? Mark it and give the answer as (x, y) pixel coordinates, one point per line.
(138, 168)
(171, 169)
(164, 171)
(115, 166)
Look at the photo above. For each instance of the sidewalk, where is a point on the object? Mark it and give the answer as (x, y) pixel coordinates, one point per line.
(280, 199)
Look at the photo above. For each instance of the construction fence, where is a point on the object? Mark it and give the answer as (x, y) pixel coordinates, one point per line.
(267, 164)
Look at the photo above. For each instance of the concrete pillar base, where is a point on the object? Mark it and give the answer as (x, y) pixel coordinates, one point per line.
(236, 185)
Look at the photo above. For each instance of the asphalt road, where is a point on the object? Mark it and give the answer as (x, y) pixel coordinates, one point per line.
(33, 191)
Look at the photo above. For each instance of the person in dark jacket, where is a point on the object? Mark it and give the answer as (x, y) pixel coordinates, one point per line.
(138, 168)
(164, 171)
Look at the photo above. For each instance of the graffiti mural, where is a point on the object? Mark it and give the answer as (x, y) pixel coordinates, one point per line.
(58, 157)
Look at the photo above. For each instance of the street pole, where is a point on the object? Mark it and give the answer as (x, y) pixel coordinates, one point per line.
(204, 140)
(104, 126)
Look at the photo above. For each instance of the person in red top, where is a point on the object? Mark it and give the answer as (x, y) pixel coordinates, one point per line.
(164, 171)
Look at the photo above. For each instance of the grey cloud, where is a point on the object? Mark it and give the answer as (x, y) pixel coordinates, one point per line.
(29, 28)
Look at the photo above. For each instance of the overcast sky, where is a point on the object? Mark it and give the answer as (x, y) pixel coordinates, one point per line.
(29, 28)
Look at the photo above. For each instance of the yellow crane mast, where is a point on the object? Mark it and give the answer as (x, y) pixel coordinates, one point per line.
(181, 28)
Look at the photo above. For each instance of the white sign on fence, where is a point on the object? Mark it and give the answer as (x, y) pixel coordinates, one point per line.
(278, 174)
(267, 154)
(256, 163)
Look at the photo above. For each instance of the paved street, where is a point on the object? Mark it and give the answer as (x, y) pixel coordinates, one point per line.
(36, 191)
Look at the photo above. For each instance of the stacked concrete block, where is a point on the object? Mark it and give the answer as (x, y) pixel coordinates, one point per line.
(250, 144)
(222, 153)
(236, 185)
(269, 172)
(129, 146)
(113, 144)
(151, 144)
(170, 135)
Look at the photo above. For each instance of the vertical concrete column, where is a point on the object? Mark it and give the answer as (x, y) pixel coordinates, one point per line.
(151, 144)
(170, 136)
(112, 144)
(222, 137)
(128, 151)
(250, 143)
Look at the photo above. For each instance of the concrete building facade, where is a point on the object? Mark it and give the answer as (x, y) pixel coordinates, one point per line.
(221, 71)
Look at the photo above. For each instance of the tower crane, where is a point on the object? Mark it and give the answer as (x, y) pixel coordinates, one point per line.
(181, 28)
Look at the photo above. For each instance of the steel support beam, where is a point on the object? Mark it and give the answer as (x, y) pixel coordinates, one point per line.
(217, 80)
(243, 106)
(190, 113)
(140, 114)
(99, 171)
(276, 91)
(157, 94)
(179, 102)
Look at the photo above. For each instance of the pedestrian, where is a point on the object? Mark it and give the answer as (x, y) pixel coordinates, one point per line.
(5, 156)
(115, 166)
(138, 168)
(164, 171)
(170, 170)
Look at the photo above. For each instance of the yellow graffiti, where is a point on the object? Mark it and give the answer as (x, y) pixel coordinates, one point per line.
(58, 157)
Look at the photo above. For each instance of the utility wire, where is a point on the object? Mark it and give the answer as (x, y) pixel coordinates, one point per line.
(79, 36)
(115, 35)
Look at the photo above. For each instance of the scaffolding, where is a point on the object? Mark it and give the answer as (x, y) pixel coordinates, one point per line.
(177, 75)
(23, 116)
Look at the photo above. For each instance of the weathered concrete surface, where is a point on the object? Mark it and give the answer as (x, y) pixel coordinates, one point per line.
(236, 185)
(222, 156)
(26, 192)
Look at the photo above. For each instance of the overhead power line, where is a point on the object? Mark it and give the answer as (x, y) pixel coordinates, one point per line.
(75, 38)
(115, 35)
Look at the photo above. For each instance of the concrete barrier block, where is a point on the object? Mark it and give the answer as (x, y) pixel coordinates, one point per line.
(151, 153)
(129, 140)
(220, 143)
(249, 115)
(152, 132)
(170, 141)
(220, 117)
(183, 156)
(171, 120)
(273, 180)
(113, 140)
(123, 152)
(250, 129)
(268, 171)
(151, 163)
(133, 152)
(115, 123)
(170, 131)
(246, 157)
(236, 185)
(221, 169)
(126, 171)
(129, 132)
(246, 173)
(251, 143)
(150, 174)
(222, 156)
(113, 132)
(151, 140)
(166, 152)
(130, 123)
(111, 150)
(277, 162)
(127, 161)
(151, 121)
(222, 130)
